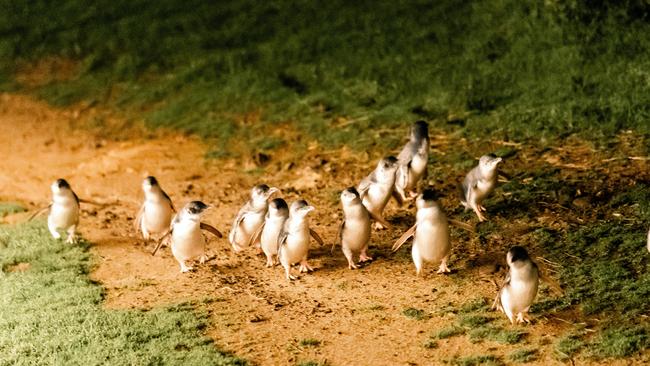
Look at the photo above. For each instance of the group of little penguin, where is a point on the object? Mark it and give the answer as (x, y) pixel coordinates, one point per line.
(282, 232)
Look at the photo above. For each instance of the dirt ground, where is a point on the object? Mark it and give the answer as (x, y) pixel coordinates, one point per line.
(256, 313)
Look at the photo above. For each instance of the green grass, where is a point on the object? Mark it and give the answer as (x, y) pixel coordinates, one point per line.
(413, 313)
(523, 355)
(52, 313)
(448, 332)
(505, 69)
(310, 342)
(496, 334)
(9, 208)
(488, 360)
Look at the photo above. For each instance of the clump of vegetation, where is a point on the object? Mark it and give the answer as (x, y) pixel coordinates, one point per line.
(430, 344)
(310, 342)
(52, 313)
(9, 208)
(413, 313)
(496, 334)
(489, 360)
(478, 304)
(621, 342)
(568, 346)
(523, 355)
(473, 321)
(448, 332)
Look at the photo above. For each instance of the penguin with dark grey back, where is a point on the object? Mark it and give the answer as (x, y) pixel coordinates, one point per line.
(155, 215)
(250, 217)
(412, 162)
(376, 189)
(430, 234)
(479, 183)
(520, 286)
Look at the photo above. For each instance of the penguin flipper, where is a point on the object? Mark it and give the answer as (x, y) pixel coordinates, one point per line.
(211, 229)
(39, 212)
(316, 236)
(462, 225)
(138, 219)
(402, 239)
(398, 197)
(256, 234)
(160, 241)
(339, 236)
(171, 204)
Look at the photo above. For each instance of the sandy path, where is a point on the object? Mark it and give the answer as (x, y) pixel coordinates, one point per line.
(356, 315)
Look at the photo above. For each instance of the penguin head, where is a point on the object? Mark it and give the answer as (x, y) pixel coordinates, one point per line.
(60, 185)
(196, 207)
(419, 131)
(517, 255)
(148, 183)
(387, 164)
(489, 162)
(261, 193)
(278, 207)
(349, 195)
(301, 208)
(427, 198)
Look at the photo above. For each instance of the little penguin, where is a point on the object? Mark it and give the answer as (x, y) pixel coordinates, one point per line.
(354, 232)
(64, 210)
(294, 239)
(479, 183)
(156, 212)
(376, 189)
(186, 236)
(412, 162)
(430, 234)
(250, 217)
(269, 232)
(520, 286)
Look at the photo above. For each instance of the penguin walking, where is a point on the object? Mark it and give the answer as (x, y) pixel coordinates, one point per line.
(520, 286)
(186, 236)
(250, 217)
(412, 162)
(294, 239)
(64, 210)
(269, 232)
(430, 234)
(479, 183)
(354, 232)
(376, 189)
(155, 215)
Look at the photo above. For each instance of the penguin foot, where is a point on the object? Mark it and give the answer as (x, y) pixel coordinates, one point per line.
(56, 235)
(305, 267)
(443, 269)
(291, 277)
(71, 239)
(186, 269)
(203, 258)
(351, 265)
(378, 226)
(364, 258)
(523, 318)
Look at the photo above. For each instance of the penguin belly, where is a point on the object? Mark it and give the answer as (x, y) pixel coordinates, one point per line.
(187, 243)
(432, 241)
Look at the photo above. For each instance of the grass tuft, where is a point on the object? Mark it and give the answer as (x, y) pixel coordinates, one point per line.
(413, 313)
(523, 355)
(9, 208)
(449, 332)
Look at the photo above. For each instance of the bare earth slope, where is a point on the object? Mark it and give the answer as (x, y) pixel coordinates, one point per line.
(358, 316)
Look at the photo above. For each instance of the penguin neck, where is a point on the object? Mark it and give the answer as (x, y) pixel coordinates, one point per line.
(299, 224)
(488, 173)
(259, 205)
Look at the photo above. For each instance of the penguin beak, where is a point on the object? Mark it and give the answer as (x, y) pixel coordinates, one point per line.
(309, 208)
(272, 191)
(497, 161)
